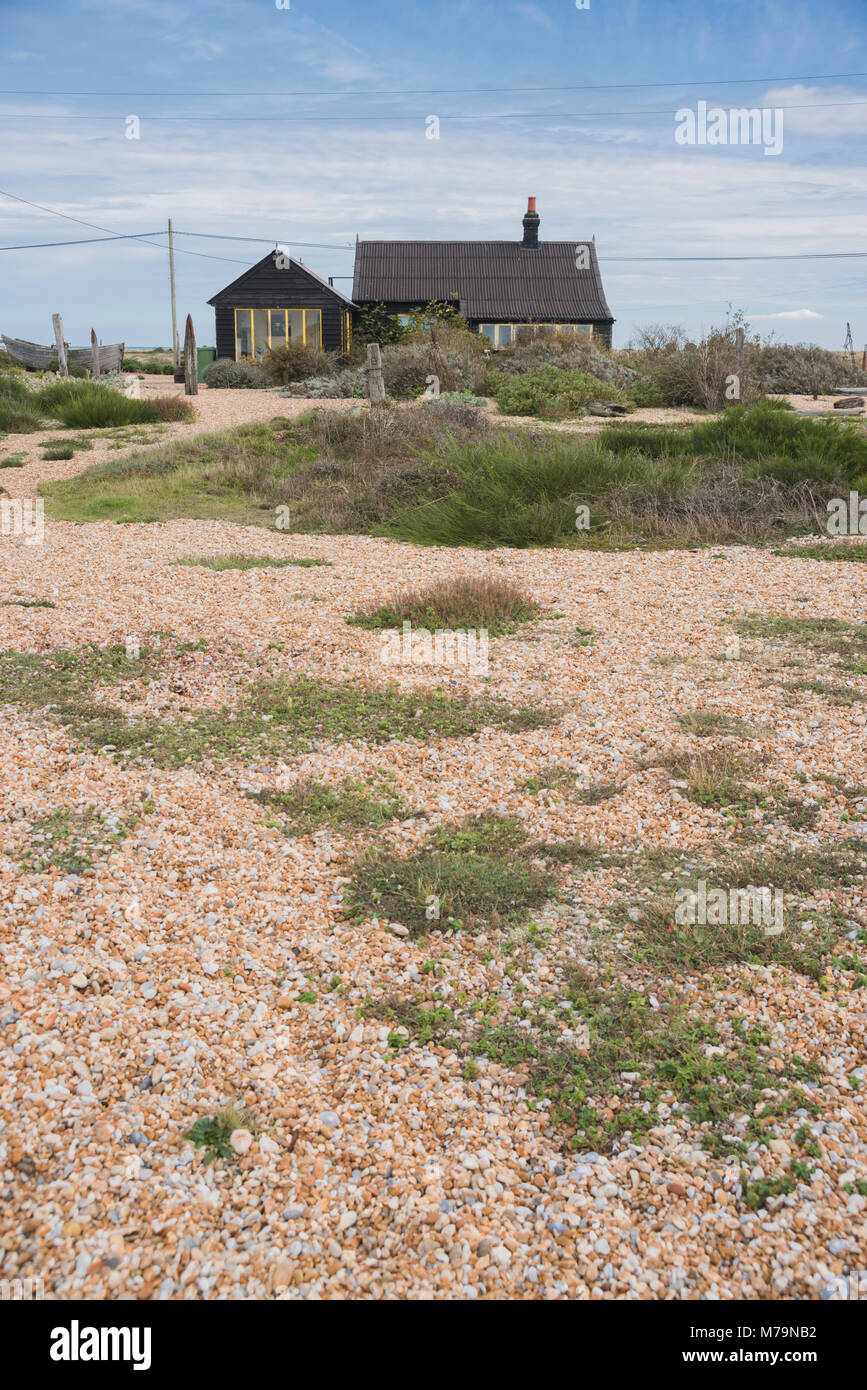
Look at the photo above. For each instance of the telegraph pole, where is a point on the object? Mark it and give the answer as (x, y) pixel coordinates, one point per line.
(175, 346)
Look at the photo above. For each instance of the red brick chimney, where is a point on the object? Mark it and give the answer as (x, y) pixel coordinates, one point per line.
(531, 225)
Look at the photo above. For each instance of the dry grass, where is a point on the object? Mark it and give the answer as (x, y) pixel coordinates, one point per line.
(468, 601)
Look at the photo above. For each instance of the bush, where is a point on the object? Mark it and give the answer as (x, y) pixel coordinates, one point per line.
(73, 369)
(646, 392)
(8, 363)
(91, 405)
(225, 373)
(58, 451)
(469, 601)
(20, 412)
(295, 362)
(168, 408)
(568, 354)
(341, 386)
(551, 391)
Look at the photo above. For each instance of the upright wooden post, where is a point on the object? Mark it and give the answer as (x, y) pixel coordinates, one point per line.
(62, 367)
(191, 374)
(94, 355)
(739, 362)
(375, 383)
(175, 344)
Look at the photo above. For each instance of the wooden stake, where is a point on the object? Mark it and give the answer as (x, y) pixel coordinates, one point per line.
(175, 343)
(191, 375)
(375, 383)
(94, 355)
(62, 366)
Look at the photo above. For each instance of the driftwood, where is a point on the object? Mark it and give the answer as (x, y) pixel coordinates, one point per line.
(94, 353)
(606, 408)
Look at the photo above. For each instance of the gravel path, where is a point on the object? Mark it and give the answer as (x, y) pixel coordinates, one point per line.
(145, 992)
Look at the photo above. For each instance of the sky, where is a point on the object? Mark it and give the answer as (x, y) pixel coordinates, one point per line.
(309, 123)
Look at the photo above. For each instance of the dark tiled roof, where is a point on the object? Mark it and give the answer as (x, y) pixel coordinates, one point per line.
(494, 280)
(267, 263)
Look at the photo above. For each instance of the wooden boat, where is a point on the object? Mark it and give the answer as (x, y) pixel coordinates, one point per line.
(37, 357)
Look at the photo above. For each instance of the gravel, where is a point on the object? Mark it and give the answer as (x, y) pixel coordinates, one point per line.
(162, 984)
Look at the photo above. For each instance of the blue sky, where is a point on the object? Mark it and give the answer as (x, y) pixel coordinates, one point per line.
(603, 162)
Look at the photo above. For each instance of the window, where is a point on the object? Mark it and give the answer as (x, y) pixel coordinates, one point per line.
(500, 334)
(505, 334)
(259, 330)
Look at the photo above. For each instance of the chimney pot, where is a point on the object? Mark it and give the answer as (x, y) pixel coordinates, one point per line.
(531, 226)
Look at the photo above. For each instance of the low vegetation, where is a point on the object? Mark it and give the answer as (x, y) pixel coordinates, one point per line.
(350, 804)
(271, 718)
(221, 563)
(469, 601)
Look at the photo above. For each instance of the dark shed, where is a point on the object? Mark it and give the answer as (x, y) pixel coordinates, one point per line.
(508, 290)
(276, 301)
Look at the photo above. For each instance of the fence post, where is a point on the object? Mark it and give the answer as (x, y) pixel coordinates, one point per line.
(191, 374)
(375, 383)
(62, 368)
(94, 355)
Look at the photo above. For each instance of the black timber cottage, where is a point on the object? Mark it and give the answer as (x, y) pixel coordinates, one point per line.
(508, 290)
(276, 301)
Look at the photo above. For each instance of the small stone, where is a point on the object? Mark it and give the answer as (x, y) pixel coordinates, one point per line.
(240, 1140)
(329, 1119)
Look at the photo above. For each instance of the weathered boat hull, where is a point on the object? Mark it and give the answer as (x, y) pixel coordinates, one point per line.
(37, 357)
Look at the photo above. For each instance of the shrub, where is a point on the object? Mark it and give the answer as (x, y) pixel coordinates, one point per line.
(341, 386)
(91, 405)
(58, 451)
(73, 369)
(646, 392)
(295, 362)
(552, 391)
(224, 373)
(8, 363)
(170, 408)
(20, 411)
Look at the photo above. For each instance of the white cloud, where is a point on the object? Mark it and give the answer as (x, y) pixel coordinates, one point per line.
(791, 314)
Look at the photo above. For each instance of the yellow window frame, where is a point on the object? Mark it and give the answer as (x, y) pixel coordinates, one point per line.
(316, 331)
(515, 325)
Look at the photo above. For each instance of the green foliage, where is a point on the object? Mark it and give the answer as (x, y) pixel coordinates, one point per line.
(213, 1132)
(271, 718)
(225, 373)
(295, 362)
(309, 805)
(93, 405)
(374, 324)
(71, 840)
(551, 391)
(221, 563)
(57, 451)
(472, 601)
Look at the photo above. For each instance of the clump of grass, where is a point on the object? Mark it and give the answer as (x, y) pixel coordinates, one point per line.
(309, 805)
(714, 777)
(470, 601)
(472, 875)
(422, 1021)
(57, 451)
(595, 793)
(836, 694)
(93, 405)
(825, 636)
(71, 840)
(551, 778)
(213, 1132)
(14, 461)
(271, 718)
(246, 562)
(834, 550)
(605, 1088)
(28, 603)
(711, 723)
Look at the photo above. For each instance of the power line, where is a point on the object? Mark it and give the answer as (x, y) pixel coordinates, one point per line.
(790, 256)
(97, 228)
(85, 241)
(448, 91)
(402, 116)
